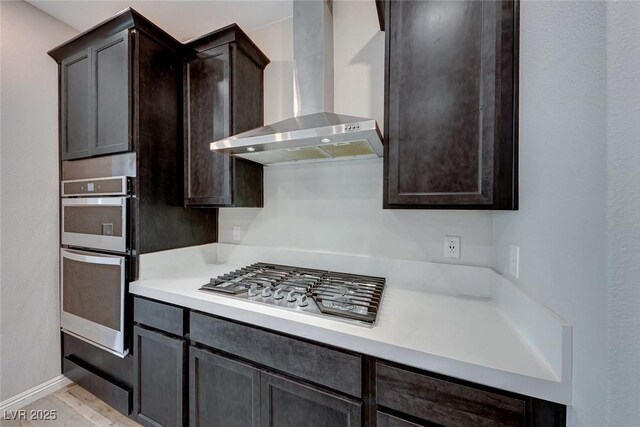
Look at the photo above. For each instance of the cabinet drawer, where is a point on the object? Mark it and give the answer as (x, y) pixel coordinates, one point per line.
(164, 317)
(443, 402)
(316, 363)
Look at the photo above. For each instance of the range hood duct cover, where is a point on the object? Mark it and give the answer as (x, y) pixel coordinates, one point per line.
(315, 133)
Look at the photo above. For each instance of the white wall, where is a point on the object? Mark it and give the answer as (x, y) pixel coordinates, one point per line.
(561, 226)
(29, 323)
(623, 158)
(337, 207)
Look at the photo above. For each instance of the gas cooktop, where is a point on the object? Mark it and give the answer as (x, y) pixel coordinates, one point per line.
(346, 296)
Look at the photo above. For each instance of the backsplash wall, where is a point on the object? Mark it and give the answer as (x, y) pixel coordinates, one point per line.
(337, 207)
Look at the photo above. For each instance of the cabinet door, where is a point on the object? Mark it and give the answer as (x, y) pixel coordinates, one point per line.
(75, 106)
(223, 393)
(207, 119)
(159, 372)
(111, 95)
(288, 403)
(449, 103)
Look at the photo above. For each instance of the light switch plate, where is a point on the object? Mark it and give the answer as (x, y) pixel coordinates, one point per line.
(452, 247)
(514, 261)
(236, 233)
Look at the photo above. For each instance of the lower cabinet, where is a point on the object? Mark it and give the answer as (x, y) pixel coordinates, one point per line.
(159, 370)
(227, 393)
(222, 392)
(208, 371)
(428, 399)
(288, 403)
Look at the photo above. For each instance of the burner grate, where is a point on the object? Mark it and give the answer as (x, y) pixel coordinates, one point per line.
(338, 294)
(349, 295)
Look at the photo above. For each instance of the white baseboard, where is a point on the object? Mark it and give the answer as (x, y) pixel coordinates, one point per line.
(33, 394)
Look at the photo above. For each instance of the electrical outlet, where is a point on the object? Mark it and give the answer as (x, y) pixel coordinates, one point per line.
(452, 246)
(236, 233)
(514, 261)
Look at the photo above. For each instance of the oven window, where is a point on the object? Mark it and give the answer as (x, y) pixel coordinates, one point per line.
(92, 292)
(92, 220)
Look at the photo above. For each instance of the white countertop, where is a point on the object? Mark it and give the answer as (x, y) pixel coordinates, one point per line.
(433, 317)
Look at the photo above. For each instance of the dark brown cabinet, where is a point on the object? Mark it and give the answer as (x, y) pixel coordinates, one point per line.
(328, 367)
(443, 402)
(288, 403)
(222, 392)
(223, 96)
(450, 104)
(245, 376)
(94, 99)
(160, 364)
(111, 95)
(159, 375)
(75, 105)
(225, 392)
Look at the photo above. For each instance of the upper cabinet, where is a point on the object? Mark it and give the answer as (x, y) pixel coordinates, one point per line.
(121, 91)
(451, 104)
(111, 95)
(117, 85)
(94, 99)
(223, 96)
(75, 105)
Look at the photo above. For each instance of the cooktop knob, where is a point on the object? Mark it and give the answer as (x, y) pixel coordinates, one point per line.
(266, 291)
(291, 296)
(253, 290)
(302, 301)
(278, 294)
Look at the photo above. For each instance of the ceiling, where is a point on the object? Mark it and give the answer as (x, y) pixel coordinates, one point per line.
(184, 20)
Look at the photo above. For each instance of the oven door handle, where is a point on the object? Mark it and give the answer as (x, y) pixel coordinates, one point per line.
(92, 259)
(95, 201)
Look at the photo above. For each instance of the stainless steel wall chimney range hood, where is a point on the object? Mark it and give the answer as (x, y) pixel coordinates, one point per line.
(316, 133)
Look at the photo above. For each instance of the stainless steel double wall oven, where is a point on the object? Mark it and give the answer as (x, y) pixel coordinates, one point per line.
(96, 256)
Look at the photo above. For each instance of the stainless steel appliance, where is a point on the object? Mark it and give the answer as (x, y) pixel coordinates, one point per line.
(350, 297)
(93, 298)
(316, 134)
(94, 213)
(94, 284)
